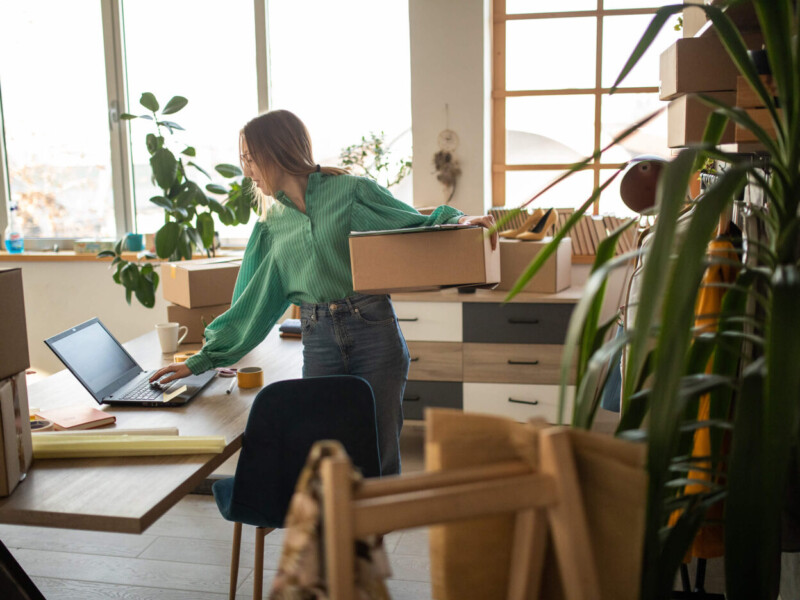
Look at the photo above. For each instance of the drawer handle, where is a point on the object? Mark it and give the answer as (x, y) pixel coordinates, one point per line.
(411, 399)
(408, 319)
(414, 359)
(523, 362)
(524, 321)
(531, 402)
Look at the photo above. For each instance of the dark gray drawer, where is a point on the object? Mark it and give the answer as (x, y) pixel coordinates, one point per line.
(516, 323)
(420, 395)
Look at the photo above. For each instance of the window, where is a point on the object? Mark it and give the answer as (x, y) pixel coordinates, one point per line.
(54, 108)
(77, 171)
(551, 107)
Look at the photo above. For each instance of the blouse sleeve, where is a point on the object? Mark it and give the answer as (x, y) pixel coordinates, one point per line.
(375, 209)
(258, 302)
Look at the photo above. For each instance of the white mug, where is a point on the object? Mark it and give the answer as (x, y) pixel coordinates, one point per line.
(168, 336)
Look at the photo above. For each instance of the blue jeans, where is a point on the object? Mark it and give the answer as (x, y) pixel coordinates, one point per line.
(360, 336)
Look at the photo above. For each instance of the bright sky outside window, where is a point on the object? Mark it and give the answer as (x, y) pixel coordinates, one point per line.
(56, 117)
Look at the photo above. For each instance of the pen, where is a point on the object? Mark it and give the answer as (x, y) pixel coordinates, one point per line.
(230, 387)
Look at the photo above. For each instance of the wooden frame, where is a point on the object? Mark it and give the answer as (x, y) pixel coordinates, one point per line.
(547, 499)
(500, 93)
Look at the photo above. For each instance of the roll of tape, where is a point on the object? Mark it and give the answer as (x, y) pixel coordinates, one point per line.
(41, 425)
(182, 356)
(250, 377)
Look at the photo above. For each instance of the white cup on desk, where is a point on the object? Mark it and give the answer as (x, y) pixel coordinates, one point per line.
(169, 335)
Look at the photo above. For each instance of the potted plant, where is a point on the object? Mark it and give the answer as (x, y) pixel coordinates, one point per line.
(753, 379)
(189, 212)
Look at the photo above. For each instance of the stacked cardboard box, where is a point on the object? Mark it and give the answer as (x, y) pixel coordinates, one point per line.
(16, 451)
(199, 291)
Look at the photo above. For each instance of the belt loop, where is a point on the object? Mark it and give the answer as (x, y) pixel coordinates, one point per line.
(350, 305)
(313, 312)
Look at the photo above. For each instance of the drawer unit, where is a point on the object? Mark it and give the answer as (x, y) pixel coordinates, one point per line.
(513, 363)
(520, 402)
(516, 323)
(435, 361)
(420, 395)
(430, 321)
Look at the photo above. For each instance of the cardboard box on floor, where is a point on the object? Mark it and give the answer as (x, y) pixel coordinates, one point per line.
(554, 276)
(204, 282)
(13, 330)
(16, 449)
(687, 116)
(193, 319)
(422, 259)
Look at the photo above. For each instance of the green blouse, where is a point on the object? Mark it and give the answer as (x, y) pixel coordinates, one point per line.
(294, 257)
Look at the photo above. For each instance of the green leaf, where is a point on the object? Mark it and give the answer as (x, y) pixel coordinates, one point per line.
(199, 168)
(171, 125)
(184, 245)
(215, 206)
(145, 293)
(106, 253)
(165, 168)
(167, 239)
(242, 211)
(128, 295)
(118, 247)
(154, 142)
(162, 202)
(127, 116)
(130, 275)
(149, 101)
(228, 170)
(175, 104)
(205, 227)
(226, 215)
(215, 188)
(189, 151)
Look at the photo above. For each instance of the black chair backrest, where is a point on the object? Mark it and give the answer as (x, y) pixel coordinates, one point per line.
(286, 419)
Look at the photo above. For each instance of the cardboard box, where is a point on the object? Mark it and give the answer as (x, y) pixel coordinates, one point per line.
(746, 97)
(193, 319)
(762, 118)
(13, 331)
(696, 65)
(406, 260)
(554, 276)
(16, 449)
(687, 116)
(194, 283)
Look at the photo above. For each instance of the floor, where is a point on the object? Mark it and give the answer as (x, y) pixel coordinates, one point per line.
(185, 555)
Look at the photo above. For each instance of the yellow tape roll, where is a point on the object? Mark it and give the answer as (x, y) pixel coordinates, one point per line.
(250, 377)
(182, 356)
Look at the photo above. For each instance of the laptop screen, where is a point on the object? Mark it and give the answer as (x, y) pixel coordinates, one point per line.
(93, 355)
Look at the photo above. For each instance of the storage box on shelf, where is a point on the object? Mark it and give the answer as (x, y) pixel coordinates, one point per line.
(687, 117)
(13, 329)
(474, 352)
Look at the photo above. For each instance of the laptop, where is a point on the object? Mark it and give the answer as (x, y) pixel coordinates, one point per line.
(111, 375)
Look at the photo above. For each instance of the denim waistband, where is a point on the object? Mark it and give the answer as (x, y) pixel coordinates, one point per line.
(345, 304)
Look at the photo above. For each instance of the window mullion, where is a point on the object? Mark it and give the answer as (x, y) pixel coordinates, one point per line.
(5, 188)
(261, 14)
(121, 170)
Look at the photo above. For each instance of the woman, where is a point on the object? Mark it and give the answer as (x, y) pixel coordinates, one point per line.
(298, 254)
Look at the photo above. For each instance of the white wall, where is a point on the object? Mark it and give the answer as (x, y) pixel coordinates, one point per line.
(59, 295)
(449, 65)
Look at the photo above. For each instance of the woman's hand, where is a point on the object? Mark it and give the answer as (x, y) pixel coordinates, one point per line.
(178, 370)
(486, 221)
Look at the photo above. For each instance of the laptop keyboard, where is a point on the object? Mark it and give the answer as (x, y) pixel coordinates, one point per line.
(144, 392)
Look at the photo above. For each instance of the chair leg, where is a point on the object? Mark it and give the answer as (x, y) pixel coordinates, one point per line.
(237, 543)
(258, 565)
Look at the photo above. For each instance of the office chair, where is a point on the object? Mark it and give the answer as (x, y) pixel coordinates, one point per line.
(286, 419)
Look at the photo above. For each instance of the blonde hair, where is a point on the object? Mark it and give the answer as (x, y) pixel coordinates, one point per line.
(278, 139)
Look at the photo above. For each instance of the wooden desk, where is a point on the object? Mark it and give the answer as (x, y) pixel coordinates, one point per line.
(129, 494)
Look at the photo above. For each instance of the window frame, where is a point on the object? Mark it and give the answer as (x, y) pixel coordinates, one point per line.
(119, 130)
(500, 93)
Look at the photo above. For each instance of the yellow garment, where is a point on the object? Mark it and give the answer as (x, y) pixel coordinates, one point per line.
(709, 542)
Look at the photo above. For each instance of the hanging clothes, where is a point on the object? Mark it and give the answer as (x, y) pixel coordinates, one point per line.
(709, 541)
